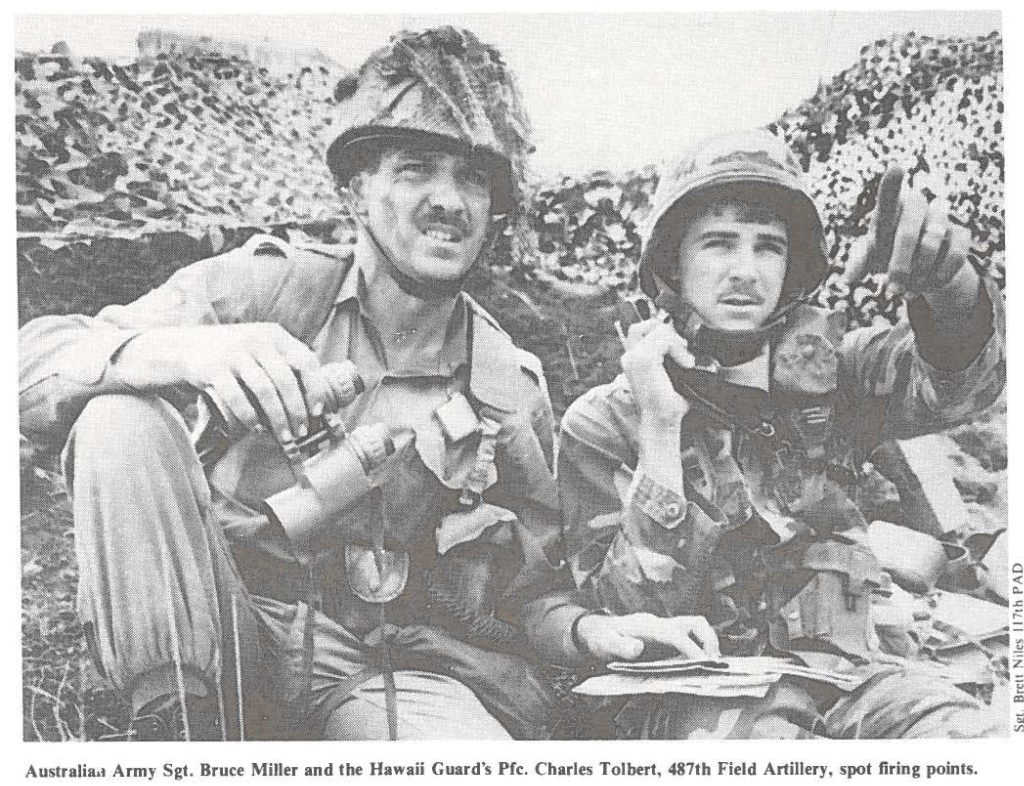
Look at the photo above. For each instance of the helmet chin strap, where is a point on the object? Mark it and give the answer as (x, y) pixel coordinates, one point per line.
(729, 347)
(442, 289)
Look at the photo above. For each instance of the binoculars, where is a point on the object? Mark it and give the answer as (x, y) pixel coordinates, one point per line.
(332, 468)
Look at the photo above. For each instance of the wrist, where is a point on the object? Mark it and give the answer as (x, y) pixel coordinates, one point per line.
(579, 640)
(659, 431)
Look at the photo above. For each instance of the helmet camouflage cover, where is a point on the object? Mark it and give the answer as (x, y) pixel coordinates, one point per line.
(444, 86)
(750, 163)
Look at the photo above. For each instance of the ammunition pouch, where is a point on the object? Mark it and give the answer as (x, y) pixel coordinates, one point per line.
(831, 611)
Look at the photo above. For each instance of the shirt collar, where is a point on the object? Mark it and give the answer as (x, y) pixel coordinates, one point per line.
(754, 373)
(350, 285)
(453, 353)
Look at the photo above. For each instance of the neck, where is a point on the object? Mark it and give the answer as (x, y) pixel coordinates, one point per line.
(395, 312)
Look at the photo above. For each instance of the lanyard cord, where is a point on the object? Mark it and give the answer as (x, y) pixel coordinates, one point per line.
(388, 674)
(386, 670)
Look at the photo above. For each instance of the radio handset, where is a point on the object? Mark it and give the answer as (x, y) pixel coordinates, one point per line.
(731, 405)
(686, 381)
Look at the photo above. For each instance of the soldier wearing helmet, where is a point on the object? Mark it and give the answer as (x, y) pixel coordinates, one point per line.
(217, 597)
(709, 492)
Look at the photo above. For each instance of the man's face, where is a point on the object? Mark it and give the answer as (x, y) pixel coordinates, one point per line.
(731, 269)
(429, 209)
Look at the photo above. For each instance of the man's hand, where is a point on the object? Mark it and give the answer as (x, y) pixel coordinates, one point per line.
(912, 240)
(256, 370)
(648, 344)
(609, 638)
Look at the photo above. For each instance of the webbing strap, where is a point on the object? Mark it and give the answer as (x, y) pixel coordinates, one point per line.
(390, 694)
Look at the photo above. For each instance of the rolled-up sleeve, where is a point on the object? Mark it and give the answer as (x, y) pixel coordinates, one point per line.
(64, 361)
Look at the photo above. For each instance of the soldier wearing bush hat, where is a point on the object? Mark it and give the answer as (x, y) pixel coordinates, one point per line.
(313, 553)
(709, 492)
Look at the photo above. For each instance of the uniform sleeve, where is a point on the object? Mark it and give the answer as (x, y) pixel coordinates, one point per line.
(926, 380)
(64, 360)
(632, 544)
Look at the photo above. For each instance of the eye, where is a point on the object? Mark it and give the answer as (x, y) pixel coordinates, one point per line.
(773, 247)
(477, 176)
(413, 166)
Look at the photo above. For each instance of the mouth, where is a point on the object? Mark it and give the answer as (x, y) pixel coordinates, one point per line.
(443, 233)
(740, 299)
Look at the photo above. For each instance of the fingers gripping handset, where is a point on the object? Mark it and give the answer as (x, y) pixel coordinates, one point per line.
(253, 373)
(654, 362)
(910, 239)
(626, 637)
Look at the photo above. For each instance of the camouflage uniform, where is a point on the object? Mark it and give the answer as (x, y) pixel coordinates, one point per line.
(767, 541)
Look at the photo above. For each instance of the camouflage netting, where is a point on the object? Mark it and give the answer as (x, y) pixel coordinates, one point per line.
(192, 143)
(935, 107)
(199, 143)
(932, 105)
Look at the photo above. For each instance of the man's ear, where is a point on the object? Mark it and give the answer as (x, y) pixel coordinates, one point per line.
(353, 194)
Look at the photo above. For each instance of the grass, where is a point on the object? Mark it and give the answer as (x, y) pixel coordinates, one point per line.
(64, 697)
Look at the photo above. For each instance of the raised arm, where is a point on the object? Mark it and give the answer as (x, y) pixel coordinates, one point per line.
(947, 363)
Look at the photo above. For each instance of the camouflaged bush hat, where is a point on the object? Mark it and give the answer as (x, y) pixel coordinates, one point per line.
(749, 162)
(444, 87)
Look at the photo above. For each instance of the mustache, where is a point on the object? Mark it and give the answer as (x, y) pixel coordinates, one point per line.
(454, 219)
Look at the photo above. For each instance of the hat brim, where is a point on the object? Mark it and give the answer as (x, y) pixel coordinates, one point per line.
(343, 159)
(660, 257)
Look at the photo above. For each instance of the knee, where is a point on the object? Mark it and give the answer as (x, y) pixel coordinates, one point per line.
(125, 424)
(357, 719)
(118, 434)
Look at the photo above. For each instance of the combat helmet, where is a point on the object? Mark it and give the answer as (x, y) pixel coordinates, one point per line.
(444, 86)
(752, 162)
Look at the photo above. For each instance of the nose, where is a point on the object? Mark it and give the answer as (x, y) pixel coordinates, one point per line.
(744, 264)
(445, 196)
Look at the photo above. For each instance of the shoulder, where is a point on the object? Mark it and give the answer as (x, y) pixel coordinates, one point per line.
(264, 261)
(309, 259)
(605, 417)
(503, 375)
(270, 280)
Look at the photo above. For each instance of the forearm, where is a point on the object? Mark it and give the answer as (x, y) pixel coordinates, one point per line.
(659, 454)
(549, 622)
(63, 363)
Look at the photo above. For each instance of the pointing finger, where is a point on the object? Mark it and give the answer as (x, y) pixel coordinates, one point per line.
(857, 264)
(882, 228)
